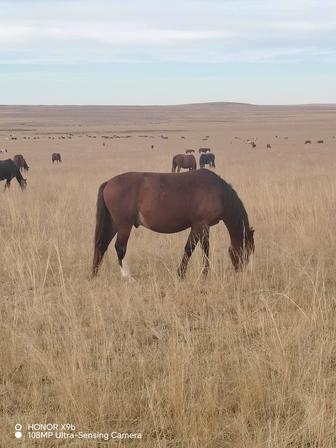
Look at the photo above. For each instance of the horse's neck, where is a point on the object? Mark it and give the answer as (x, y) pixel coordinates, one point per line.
(235, 218)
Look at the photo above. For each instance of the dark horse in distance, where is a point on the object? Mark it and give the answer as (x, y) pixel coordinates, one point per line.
(20, 162)
(56, 157)
(8, 170)
(170, 203)
(186, 161)
(207, 159)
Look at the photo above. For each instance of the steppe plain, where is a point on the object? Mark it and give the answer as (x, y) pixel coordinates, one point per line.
(236, 360)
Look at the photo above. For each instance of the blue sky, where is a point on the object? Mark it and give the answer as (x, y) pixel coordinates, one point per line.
(167, 52)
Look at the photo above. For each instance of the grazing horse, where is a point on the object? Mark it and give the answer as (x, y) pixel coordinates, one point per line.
(8, 170)
(207, 159)
(185, 161)
(189, 151)
(56, 157)
(320, 141)
(204, 150)
(20, 162)
(268, 146)
(170, 203)
(307, 142)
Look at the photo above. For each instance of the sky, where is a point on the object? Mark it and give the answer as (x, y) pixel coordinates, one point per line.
(167, 51)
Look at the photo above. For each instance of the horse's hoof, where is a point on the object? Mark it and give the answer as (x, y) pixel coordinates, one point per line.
(181, 274)
(131, 279)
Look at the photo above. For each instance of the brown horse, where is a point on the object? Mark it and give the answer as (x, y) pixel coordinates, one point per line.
(20, 162)
(56, 157)
(186, 161)
(169, 203)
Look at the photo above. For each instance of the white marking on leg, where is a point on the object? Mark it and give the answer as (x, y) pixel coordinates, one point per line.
(125, 271)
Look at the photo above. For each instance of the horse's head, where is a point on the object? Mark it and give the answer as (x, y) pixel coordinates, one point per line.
(240, 251)
(23, 184)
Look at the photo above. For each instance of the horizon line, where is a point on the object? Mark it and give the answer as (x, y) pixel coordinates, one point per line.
(205, 103)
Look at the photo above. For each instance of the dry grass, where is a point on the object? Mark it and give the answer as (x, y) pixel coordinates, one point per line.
(234, 361)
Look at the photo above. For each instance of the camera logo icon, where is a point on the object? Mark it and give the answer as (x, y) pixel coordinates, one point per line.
(18, 433)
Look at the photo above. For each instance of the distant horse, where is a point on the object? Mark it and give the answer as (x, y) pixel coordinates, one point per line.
(186, 161)
(320, 141)
(170, 203)
(207, 159)
(8, 170)
(204, 150)
(189, 151)
(268, 146)
(20, 162)
(56, 157)
(253, 145)
(307, 142)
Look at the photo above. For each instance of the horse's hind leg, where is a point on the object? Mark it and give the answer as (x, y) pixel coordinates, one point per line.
(121, 248)
(189, 248)
(7, 185)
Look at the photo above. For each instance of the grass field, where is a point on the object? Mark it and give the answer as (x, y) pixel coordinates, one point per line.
(234, 361)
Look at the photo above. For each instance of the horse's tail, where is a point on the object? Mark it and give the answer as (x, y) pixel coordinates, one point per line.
(103, 226)
(174, 165)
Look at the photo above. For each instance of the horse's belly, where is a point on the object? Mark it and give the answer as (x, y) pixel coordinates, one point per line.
(162, 224)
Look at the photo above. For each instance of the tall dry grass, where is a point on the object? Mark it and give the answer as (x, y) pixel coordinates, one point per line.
(235, 361)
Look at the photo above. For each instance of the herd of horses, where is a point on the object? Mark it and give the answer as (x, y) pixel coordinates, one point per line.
(187, 161)
(10, 169)
(164, 203)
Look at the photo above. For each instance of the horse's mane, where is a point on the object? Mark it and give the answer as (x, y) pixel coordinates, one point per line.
(18, 174)
(234, 211)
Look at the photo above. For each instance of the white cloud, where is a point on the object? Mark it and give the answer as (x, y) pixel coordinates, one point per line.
(117, 34)
(211, 31)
